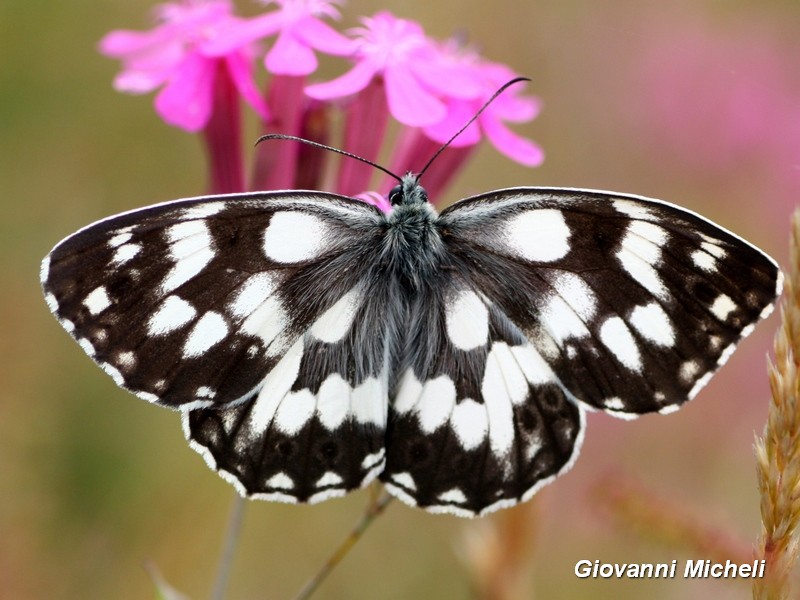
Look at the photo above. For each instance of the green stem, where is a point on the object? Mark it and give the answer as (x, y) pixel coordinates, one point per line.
(232, 532)
(377, 505)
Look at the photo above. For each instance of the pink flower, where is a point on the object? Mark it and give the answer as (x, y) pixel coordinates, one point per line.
(300, 31)
(398, 51)
(173, 56)
(509, 106)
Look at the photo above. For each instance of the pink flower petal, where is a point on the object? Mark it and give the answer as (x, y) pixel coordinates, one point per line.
(186, 100)
(458, 114)
(289, 56)
(321, 36)
(139, 82)
(241, 74)
(352, 82)
(240, 32)
(376, 199)
(116, 44)
(518, 148)
(409, 102)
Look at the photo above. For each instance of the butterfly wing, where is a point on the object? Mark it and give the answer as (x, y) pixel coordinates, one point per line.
(633, 302)
(557, 299)
(238, 310)
(477, 421)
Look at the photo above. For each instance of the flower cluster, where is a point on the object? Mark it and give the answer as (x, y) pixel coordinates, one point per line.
(201, 57)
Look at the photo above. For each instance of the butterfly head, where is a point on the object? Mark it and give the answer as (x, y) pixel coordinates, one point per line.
(408, 192)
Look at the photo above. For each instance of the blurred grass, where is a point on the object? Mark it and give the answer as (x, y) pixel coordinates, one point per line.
(94, 482)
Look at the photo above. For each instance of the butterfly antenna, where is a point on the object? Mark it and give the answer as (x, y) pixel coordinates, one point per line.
(486, 104)
(281, 136)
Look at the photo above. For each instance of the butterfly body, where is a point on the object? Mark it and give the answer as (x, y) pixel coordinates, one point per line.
(313, 343)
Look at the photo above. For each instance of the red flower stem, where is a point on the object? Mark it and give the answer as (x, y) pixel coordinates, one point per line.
(223, 137)
(366, 118)
(276, 162)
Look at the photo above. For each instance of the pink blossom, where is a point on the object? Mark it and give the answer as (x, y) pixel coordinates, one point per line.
(300, 31)
(399, 52)
(173, 56)
(507, 107)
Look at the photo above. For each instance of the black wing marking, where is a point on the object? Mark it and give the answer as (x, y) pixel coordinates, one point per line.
(634, 303)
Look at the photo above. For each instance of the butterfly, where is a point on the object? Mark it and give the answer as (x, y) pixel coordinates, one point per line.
(313, 343)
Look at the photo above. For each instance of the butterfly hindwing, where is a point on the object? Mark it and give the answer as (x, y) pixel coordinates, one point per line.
(316, 429)
(478, 422)
(633, 303)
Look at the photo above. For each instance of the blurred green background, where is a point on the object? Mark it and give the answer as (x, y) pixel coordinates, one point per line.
(696, 102)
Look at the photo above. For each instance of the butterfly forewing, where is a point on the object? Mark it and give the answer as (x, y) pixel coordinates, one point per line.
(191, 303)
(631, 302)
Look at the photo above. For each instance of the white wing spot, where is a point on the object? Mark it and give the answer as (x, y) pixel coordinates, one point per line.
(561, 321)
(87, 346)
(173, 314)
(455, 496)
(295, 410)
(119, 239)
(578, 295)
(409, 391)
(125, 253)
(335, 322)
(704, 260)
(52, 303)
(252, 294)
(689, 371)
(467, 321)
(368, 402)
(114, 372)
(276, 385)
(190, 248)
(649, 231)
(329, 478)
(498, 398)
(653, 323)
(203, 211)
(267, 321)
(618, 339)
(405, 480)
(638, 253)
(536, 370)
(470, 423)
(538, 235)
(436, 403)
(714, 250)
(293, 237)
(97, 301)
(280, 481)
(503, 378)
(211, 329)
(205, 392)
(333, 401)
(723, 306)
(125, 360)
(614, 403)
(633, 209)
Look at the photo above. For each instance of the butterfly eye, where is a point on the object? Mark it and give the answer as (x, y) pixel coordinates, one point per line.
(396, 195)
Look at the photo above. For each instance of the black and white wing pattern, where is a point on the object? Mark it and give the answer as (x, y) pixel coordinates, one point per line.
(552, 301)
(313, 343)
(238, 310)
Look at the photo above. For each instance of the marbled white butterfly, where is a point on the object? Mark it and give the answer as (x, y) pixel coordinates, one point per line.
(313, 343)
